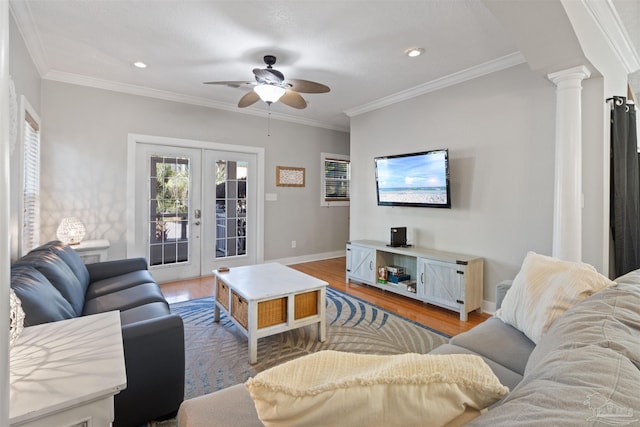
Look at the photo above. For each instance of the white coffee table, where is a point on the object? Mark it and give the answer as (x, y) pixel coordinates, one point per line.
(268, 299)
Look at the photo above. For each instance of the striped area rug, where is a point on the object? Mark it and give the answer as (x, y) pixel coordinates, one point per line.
(217, 353)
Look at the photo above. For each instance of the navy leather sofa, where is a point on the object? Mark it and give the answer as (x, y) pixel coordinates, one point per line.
(54, 284)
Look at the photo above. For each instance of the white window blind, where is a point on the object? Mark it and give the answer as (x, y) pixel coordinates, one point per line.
(31, 184)
(336, 180)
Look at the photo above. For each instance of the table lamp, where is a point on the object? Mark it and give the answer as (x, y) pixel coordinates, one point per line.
(71, 231)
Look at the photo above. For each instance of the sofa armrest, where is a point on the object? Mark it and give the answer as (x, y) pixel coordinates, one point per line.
(501, 291)
(107, 269)
(155, 363)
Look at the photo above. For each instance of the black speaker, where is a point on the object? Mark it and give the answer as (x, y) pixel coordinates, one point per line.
(398, 237)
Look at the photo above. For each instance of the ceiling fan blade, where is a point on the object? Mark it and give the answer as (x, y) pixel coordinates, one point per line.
(235, 84)
(293, 99)
(249, 98)
(268, 76)
(307, 86)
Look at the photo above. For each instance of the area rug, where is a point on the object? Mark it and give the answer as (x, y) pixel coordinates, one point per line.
(217, 353)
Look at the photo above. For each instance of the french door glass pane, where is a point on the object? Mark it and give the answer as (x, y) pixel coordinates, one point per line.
(168, 210)
(231, 208)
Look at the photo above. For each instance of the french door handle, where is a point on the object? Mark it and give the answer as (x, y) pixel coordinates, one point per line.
(196, 214)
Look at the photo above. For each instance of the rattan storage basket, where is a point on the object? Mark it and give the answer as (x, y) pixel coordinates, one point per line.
(306, 304)
(222, 294)
(240, 309)
(272, 312)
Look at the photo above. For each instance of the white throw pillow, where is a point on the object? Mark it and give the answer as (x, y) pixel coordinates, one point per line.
(331, 388)
(544, 289)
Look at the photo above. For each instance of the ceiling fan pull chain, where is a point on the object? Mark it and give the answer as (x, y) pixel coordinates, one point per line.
(269, 122)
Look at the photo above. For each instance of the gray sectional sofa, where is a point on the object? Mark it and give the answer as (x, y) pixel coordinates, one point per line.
(54, 284)
(584, 371)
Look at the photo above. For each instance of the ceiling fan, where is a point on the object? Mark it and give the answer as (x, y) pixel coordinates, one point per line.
(271, 86)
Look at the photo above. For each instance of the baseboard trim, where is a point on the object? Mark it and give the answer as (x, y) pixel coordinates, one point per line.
(488, 307)
(309, 258)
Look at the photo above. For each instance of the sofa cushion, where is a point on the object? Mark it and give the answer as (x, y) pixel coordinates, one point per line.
(608, 319)
(70, 257)
(544, 289)
(41, 301)
(506, 376)
(589, 387)
(499, 342)
(103, 270)
(585, 370)
(501, 292)
(125, 299)
(56, 270)
(346, 389)
(205, 411)
(118, 283)
(632, 278)
(144, 312)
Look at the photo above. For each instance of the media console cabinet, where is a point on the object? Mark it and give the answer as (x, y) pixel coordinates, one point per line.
(450, 280)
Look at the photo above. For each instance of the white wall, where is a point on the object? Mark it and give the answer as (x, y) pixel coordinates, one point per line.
(4, 213)
(27, 83)
(84, 155)
(500, 132)
(23, 71)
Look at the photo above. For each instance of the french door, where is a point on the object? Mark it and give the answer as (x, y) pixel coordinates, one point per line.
(231, 231)
(196, 209)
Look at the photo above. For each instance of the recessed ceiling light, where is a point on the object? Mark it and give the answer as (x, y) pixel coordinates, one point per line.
(140, 64)
(414, 51)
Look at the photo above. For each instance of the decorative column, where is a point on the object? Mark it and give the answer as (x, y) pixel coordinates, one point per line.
(567, 209)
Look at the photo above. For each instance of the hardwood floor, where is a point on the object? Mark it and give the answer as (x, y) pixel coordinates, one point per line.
(333, 271)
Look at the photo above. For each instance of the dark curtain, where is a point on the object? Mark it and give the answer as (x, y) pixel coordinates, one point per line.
(625, 187)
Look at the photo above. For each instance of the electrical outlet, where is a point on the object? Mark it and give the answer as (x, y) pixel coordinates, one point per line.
(293, 244)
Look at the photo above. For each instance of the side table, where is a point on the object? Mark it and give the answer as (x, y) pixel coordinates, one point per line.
(92, 250)
(66, 373)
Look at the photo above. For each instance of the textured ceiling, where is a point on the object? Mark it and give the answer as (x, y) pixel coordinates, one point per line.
(355, 47)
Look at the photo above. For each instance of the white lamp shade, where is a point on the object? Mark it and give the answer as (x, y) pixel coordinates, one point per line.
(269, 93)
(71, 231)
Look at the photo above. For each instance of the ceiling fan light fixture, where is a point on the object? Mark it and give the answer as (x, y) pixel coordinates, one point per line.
(269, 93)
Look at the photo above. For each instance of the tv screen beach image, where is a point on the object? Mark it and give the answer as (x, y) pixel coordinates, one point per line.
(413, 179)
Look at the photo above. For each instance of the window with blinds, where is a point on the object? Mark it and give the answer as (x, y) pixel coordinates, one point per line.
(30, 237)
(336, 180)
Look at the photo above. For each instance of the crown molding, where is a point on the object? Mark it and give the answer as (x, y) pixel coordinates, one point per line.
(24, 21)
(93, 82)
(489, 67)
(606, 17)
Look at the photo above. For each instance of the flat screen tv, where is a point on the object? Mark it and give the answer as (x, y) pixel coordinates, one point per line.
(414, 179)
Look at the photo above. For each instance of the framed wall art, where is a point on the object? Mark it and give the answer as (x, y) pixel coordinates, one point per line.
(287, 176)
